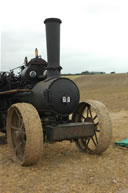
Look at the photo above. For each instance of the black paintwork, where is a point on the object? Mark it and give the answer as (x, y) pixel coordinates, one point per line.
(39, 83)
(53, 96)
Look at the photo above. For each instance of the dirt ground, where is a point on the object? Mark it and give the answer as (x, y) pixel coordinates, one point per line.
(63, 168)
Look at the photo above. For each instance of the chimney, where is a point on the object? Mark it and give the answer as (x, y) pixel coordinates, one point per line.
(53, 46)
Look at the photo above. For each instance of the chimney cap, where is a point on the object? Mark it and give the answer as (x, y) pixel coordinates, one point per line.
(52, 20)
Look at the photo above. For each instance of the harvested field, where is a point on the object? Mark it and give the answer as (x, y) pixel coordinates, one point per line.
(111, 89)
(63, 168)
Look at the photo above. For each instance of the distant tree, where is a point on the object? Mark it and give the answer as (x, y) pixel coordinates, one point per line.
(102, 73)
(112, 73)
(85, 72)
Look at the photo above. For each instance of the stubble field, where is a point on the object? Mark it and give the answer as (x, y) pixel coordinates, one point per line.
(63, 168)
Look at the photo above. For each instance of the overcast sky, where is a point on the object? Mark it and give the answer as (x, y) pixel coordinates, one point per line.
(94, 33)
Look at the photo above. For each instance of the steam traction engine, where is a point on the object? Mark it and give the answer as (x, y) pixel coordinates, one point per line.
(39, 106)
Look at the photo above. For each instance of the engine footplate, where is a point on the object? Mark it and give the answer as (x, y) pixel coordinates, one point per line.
(70, 131)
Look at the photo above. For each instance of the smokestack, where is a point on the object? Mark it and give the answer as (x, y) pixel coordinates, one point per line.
(53, 46)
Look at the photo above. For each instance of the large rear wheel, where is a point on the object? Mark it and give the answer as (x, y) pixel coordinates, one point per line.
(96, 113)
(24, 133)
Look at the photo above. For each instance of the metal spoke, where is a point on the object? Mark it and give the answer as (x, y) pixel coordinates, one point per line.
(96, 138)
(81, 115)
(14, 128)
(87, 142)
(87, 111)
(82, 143)
(17, 147)
(97, 130)
(21, 125)
(17, 113)
(90, 111)
(20, 121)
(94, 141)
(94, 117)
(19, 135)
(96, 124)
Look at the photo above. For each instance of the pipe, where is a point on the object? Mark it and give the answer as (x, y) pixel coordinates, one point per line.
(53, 46)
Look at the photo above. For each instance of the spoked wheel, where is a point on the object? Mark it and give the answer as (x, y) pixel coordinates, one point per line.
(96, 113)
(24, 133)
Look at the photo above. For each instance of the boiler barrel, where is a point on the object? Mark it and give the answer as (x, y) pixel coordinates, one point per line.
(59, 95)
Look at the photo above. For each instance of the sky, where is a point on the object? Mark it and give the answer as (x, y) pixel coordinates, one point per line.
(94, 33)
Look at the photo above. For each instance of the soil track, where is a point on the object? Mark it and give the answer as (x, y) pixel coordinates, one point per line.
(111, 89)
(62, 168)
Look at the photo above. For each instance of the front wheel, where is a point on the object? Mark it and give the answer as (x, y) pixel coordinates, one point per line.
(95, 112)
